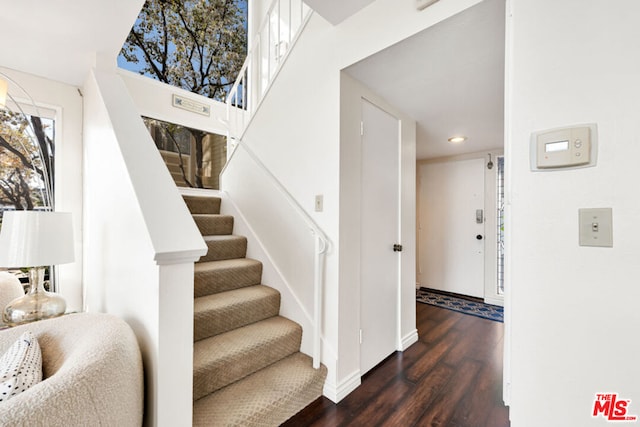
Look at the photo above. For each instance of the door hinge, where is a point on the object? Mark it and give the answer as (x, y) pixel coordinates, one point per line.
(361, 128)
(360, 336)
(397, 248)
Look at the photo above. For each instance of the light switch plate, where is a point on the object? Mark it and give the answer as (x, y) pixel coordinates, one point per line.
(319, 206)
(596, 227)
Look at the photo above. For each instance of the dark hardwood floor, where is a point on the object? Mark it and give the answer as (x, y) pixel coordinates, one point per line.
(451, 377)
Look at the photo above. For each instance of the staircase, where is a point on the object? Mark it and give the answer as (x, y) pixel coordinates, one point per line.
(173, 160)
(247, 365)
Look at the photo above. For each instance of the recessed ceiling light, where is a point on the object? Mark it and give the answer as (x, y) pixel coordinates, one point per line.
(457, 139)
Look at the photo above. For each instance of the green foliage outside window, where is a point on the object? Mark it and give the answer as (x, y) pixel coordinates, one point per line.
(26, 155)
(197, 45)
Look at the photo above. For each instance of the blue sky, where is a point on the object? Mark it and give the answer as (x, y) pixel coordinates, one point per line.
(138, 67)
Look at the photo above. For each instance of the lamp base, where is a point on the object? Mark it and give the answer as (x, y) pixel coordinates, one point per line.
(37, 304)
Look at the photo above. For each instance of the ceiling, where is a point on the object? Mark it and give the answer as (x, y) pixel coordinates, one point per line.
(336, 11)
(450, 78)
(57, 39)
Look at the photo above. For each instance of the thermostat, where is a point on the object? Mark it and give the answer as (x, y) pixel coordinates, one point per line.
(564, 148)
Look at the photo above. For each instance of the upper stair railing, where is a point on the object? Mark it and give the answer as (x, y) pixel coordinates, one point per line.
(279, 31)
(271, 46)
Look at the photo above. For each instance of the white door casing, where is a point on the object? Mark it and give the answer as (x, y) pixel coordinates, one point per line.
(380, 230)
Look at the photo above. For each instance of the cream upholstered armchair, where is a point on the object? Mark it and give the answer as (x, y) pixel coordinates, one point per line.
(91, 374)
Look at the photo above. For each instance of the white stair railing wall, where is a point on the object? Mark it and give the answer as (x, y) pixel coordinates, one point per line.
(296, 245)
(140, 244)
(271, 45)
(283, 226)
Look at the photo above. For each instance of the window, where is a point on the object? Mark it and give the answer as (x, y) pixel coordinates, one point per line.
(26, 163)
(26, 159)
(197, 45)
(194, 157)
(500, 223)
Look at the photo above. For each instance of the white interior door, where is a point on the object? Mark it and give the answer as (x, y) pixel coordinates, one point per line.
(451, 239)
(379, 232)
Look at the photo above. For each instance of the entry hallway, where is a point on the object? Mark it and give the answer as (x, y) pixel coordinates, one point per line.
(451, 377)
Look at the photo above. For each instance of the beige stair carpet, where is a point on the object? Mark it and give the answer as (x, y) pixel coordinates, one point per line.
(248, 369)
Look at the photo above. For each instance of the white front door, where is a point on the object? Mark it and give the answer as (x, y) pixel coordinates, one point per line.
(379, 232)
(451, 238)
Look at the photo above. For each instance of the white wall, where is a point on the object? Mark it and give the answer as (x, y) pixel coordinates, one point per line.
(67, 103)
(278, 236)
(140, 245)
(154, 99)
(573, 310)
(490, 193)
(296, 133)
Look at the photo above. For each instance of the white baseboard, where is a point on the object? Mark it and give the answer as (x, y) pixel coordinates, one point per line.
(494, 301)
(336, 393)
(409, 339)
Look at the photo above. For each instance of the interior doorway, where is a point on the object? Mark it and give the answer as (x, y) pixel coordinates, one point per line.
(450, 78)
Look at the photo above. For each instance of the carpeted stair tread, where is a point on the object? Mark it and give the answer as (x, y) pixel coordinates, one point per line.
(226, 358)
(224, 247)
(214, 224)
(247, 368)
(219, 313)
(225, 275)
(266, 398)
(202, 204)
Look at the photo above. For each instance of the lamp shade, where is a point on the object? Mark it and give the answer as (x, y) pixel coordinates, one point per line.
(3, 93)
(35, 239)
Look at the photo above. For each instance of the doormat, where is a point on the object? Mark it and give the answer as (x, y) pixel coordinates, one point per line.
(459, 304)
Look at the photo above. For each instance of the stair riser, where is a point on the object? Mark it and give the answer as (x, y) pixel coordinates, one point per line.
(212, 282)
(222, 372)
(203, 205)
(213, 322)
(225, 249)
(214, 225)
(174, 168)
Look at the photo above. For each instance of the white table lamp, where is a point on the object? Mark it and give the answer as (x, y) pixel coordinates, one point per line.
(35, 239)
(3, 93)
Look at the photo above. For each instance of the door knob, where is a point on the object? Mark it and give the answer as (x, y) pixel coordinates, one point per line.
(479, 237)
